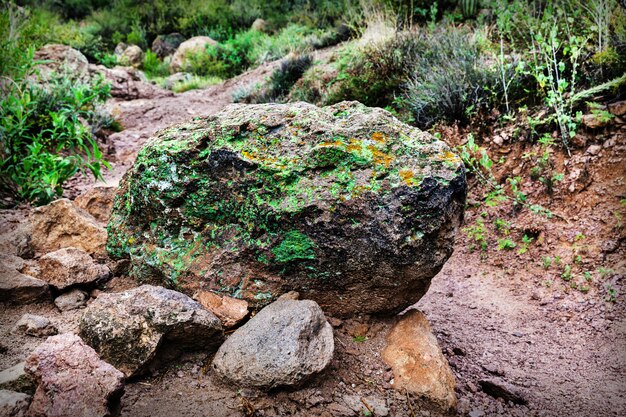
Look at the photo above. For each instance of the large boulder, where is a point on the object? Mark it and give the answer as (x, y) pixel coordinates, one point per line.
(166, 45)
(61, 224)
(71, 266)
(345, 204)
(72, 380)
(417, 362)
(128, 329)
(283, 345)
(195, 45)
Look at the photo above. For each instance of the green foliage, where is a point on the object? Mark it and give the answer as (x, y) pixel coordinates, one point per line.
(280, 82)
(294, 246)
(195, 83)
(43, 141)
(452, 79)
(153, 66)
(506, 244)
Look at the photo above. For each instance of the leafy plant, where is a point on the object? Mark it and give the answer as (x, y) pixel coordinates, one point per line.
(506, 244)
(44, 136)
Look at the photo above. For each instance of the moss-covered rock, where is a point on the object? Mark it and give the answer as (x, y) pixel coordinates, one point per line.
(344, 204)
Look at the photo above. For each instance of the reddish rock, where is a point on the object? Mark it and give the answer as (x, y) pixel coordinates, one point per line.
(18, 288)
(416, 360)
(229, 310)
(618, 108)
(97, 201)
(61, 224)
(71, 266)
(197, 44)
(72, 380)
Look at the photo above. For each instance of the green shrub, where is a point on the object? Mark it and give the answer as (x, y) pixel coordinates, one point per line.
(279, 84)
(44, 134)
(451, 79)
(195, 83)
(153, 66)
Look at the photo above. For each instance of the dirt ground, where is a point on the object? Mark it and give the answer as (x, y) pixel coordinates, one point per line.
(497, 314)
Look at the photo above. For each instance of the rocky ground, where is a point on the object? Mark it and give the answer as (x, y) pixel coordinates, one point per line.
(519, 339)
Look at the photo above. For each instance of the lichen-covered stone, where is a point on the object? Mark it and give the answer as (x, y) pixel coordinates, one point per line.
(345, 204)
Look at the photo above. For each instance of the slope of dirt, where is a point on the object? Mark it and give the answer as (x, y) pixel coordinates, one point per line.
(497, 314)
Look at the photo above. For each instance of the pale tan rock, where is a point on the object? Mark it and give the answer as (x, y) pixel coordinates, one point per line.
(131, 56)
(229, 310)
(593, 121)
(194, 45)
(97, 201)
(416, 360)
(72, 380)
(61, 224)
(62, 59)
(71, 266)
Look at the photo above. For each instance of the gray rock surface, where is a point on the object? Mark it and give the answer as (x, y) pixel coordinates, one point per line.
(129, 83)
(62, 59)
(129, 329)
(71, 300)
(15, 378)
(34, 325)
(283, 345)
(13, 404)
(72, 380)
(69, 267)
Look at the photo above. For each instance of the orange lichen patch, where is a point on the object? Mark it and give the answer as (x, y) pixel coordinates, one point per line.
(447, 156)
(407, 176)
(329, 144)
(380, 158)
(379, 137)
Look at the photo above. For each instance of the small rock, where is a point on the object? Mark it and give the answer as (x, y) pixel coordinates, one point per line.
(259, 25)
(618, 108)
(34, 325)
(494, 369)
(13, 404)
(498, 388)
(18, 288)
(61, 224)
(72, 380)
(284, 344)
(190, 46)
(71, 266)
(15, 378)
(229, 310)
(71, 300)
(418, 365)
(594, 149)
(498, 140)
(97, 201)
(367, 406)
(128, 328)
(177, 78)
(592, 121)
(476, 413)
(132, 56)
